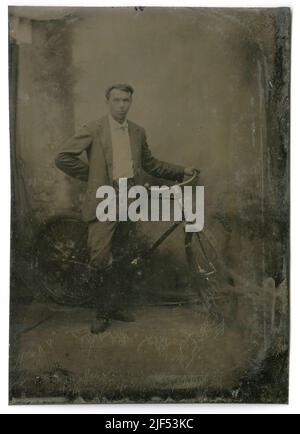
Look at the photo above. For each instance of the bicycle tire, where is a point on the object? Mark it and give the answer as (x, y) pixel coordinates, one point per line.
(206, 271)
(61, 259)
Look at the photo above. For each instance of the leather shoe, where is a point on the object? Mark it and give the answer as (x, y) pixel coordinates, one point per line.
(124, 316)
(99, 325)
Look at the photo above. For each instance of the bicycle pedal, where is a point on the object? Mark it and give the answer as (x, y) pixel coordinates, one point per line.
(207, 274)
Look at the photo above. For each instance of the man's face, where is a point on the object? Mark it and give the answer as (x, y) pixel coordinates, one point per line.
(119, 103)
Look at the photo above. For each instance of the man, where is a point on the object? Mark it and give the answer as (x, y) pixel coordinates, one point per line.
(116, 148)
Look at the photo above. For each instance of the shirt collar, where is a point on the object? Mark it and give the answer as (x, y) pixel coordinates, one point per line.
(115, 125)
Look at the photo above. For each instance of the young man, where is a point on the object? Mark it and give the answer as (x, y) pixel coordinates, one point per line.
(116, 148)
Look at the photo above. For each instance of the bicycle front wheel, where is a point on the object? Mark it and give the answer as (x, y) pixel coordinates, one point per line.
(206, 271)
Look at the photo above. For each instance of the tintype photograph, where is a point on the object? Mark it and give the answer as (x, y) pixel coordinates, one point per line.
(150, 205)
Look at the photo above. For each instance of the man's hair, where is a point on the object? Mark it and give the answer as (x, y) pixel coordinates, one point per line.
(120, 86)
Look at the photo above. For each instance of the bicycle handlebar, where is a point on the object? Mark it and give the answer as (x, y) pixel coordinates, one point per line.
(182, 184)
(189, 181)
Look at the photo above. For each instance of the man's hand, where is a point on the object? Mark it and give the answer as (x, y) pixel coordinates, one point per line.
(189, 171)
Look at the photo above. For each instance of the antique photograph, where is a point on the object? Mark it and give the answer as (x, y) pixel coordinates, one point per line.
(150, 212)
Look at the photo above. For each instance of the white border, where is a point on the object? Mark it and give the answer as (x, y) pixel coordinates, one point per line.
(167, 3)
(294, 406)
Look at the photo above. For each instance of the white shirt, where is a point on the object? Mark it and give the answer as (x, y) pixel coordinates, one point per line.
(122, 156)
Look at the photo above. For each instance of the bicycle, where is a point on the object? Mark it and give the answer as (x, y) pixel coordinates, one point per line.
(62, 260)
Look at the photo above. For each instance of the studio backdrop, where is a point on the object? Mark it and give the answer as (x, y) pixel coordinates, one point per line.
(211, 90)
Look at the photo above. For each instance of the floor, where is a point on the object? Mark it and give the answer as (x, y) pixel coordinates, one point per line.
(170, 353)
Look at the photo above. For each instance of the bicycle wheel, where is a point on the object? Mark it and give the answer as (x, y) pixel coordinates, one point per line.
(61, 258)
(206, 271)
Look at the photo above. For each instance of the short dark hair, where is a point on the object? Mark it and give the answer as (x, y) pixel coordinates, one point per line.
(121, 86)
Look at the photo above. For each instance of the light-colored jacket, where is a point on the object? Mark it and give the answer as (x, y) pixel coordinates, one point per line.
(95, 139)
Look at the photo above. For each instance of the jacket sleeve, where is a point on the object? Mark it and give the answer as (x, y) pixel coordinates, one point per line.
(68, 161)
(158, 168)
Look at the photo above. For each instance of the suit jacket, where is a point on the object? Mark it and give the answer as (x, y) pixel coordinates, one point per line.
(95, 139)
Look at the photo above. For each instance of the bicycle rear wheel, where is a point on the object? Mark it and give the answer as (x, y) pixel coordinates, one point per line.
(61, 259)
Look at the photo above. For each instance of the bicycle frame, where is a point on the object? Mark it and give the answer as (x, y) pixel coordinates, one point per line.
(148, 252)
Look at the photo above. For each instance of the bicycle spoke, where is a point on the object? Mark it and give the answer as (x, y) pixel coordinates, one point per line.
(203, 263)
(61, 255)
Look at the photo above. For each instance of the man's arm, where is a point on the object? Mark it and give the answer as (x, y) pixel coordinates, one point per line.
(158, 168)
(68, 159)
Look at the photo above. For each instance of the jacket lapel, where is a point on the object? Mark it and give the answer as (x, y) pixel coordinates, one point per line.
(134, 142)
(107, 145)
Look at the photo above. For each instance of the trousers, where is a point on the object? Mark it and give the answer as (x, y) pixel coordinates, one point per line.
(110, 287)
